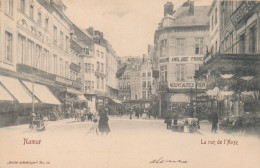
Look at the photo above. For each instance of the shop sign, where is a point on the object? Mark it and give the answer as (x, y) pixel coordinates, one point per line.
(197, 59)
(186, 85)
(77, 83)
(244, 9)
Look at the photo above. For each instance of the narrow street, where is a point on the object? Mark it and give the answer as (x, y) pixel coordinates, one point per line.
(136, 142)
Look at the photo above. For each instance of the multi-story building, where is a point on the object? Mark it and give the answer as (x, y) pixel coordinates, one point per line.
(231, 67)
(180, 44)
(111, 69)
(35, 36)
(146, 79)
(136, 83)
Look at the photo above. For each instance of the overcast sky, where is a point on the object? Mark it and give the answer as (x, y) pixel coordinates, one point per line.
(128, 25)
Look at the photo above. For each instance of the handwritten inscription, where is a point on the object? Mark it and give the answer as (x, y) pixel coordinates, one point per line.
(219, 142)
(162, 160)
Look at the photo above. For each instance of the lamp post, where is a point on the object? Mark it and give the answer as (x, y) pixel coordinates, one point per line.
(196, 90)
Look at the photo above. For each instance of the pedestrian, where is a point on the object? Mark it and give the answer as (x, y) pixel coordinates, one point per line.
(131, 112)
(214, 122)
(103, 126)
(168, 120)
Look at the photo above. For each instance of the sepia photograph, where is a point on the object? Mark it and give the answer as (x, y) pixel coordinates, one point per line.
(129, 84)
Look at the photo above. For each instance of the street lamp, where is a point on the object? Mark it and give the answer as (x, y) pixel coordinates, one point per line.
(196, 90)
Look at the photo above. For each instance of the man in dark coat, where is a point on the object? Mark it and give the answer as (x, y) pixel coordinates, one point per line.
(168, 120)
(214, 122)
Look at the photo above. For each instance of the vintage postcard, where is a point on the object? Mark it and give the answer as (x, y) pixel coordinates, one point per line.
(129, 84)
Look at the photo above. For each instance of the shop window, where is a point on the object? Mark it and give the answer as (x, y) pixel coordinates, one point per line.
(242, 43)
(252, 39)
(144, 94)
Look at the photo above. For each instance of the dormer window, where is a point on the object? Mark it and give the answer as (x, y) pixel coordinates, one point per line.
(86, 51)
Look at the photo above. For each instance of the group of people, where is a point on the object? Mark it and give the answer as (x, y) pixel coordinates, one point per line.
(138, 111)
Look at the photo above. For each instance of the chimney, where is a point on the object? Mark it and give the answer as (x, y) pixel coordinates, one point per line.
(168, 8)
(90, 30)
(191, 8)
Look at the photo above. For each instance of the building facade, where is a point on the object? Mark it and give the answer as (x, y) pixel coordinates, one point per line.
(232, 70)
(35, 36)
(180, 44)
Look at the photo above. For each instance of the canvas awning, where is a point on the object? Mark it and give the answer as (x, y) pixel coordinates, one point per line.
(180, 98)
(4, 95)
(81, 97)
(117, 101)
(42, 93)
(15, 87)
(73, 91)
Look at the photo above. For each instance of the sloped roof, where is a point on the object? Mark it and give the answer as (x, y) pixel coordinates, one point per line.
(182, 16)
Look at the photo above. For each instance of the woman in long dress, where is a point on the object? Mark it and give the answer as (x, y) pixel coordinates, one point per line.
(103, 122)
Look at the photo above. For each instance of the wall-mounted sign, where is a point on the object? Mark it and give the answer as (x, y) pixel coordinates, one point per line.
(243, 10)
(195, 59)
(186, 85)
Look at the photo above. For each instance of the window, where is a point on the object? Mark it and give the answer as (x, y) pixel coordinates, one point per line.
(149, 84)
(61, 39)
(180, 72)
(31, 11)
(98, 68)
(97, 82)
(55, 34)
(212, 22)
(8, 47)
(102, 67)
(163, 74)
(66, 69)
(9, 7)
(98, 53)
(163, 48)
(120, 86)
(30, 52)
(128, 85)
(127, 75)
(144, 94)
(102, 81)
(216, 16)
(149, 74)
(216, 47)
(44, 61)
(61, 67)
(242, 43)
(102, 54)
(92, 86)
(86, 51)
(198, 45)
(180, 46)
(39, 20)
(22, 48)
(55, 63)
(144, 74)
(22, 5)
(252, 39)
(92, 67)
(67, 43)
(144, 84)
(38, 56)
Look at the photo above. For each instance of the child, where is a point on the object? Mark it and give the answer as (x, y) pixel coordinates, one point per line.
(94, 127)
